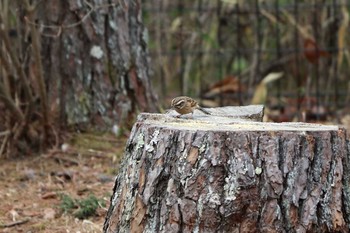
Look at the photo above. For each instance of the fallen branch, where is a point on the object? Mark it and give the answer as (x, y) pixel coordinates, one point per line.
(14, 223)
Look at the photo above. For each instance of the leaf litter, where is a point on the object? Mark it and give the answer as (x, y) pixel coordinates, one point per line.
(31, 187)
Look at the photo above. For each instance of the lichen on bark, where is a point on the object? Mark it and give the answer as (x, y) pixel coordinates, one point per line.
(95, 60)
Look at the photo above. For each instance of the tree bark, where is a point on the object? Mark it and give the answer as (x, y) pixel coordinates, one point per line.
(219, 174)
(70, 63)
(95, 60)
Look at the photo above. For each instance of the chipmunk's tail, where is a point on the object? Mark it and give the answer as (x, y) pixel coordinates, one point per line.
(203, 110)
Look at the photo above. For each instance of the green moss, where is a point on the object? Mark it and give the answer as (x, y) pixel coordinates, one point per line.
(87, 207)
(67, 203)
(81, 209)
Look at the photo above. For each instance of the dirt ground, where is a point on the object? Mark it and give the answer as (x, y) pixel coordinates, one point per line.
(32, 187)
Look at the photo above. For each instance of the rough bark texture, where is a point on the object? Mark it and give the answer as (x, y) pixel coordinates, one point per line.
(95, 59)
(198, 175)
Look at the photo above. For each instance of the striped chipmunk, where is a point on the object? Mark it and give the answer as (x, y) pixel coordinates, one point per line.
(185, 105)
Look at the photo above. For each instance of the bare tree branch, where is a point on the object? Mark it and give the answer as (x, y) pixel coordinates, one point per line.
(14, 58)
(9, 102)
(39, 77)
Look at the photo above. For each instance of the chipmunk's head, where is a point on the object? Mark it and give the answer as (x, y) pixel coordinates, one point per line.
(178, 103)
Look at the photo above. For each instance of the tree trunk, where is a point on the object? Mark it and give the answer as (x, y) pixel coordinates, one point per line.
(219, 174)
(70, 63)
(95, 60)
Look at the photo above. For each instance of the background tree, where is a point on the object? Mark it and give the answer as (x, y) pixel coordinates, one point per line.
(70, 63)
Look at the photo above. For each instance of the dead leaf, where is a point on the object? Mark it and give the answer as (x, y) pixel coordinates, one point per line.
(261, 91)
(49, 195)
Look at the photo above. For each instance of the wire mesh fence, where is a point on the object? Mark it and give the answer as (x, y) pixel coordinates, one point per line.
(227, 51)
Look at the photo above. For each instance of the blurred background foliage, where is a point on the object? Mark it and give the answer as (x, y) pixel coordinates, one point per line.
(291, 55)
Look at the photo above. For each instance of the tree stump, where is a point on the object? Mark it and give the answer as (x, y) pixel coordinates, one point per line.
(223, 174)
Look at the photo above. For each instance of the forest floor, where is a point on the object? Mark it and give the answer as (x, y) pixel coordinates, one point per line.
(64, 190)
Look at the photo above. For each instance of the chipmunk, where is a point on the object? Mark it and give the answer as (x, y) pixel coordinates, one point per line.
(185, 105)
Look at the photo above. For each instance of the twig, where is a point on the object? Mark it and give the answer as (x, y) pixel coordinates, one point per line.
(59, 28)
(14, 223)
(4, 133)
(40, 77)
(303, 31)
(9, 102)
(57, 140)
(15, 60)
(4, 143)
(58, 155)
(59, 158)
